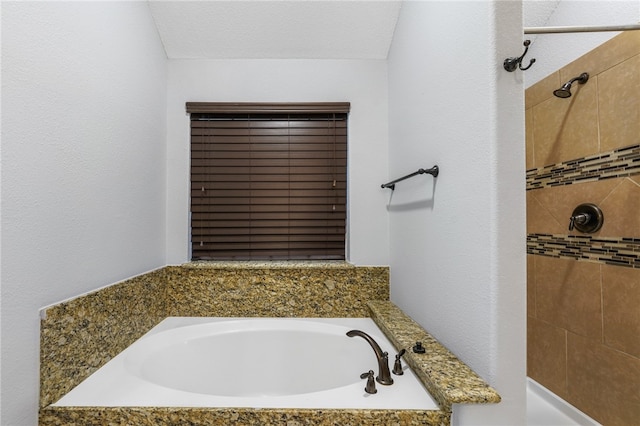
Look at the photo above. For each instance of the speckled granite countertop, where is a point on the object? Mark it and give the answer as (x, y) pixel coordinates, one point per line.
(449, 380)
(158, 416)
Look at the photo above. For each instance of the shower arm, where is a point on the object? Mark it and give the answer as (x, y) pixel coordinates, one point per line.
(579, 79)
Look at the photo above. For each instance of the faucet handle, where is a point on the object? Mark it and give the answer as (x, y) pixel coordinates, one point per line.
(579, 219)
(371, 384)
(397, 366)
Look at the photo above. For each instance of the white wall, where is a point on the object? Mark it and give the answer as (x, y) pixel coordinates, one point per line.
(554, 51)
(83, 166)
(458, 242)
(361, 82)
(73, 172)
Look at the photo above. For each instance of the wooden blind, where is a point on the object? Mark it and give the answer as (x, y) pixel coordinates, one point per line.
(268, 185)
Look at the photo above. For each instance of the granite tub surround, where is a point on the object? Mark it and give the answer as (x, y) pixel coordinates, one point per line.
(274, 289)
(154, 416)
(79, 336)
(449, 380)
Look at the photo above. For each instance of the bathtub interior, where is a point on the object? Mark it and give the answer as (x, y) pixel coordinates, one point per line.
(250, 362)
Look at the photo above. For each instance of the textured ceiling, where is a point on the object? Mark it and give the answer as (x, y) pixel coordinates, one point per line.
(260, 29)
(297, 29)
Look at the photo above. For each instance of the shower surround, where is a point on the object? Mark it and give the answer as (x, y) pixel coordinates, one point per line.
(583, 290)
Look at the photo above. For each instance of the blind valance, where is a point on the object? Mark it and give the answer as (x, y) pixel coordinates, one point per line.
(281, 108)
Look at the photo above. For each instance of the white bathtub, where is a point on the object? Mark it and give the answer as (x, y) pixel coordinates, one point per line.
(250, 362)
(546, 408)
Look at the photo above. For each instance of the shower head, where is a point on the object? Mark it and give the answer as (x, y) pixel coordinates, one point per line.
(565, 90)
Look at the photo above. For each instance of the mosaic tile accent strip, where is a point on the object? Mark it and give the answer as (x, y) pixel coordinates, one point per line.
(610, 251)
(618, 163)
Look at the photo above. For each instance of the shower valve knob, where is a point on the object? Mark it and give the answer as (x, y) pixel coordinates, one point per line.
(579, 219)
(587, 218)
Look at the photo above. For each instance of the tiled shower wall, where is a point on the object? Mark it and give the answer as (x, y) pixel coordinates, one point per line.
(583, 290)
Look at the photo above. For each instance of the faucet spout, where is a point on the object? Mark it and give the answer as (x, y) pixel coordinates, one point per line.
(384, 375)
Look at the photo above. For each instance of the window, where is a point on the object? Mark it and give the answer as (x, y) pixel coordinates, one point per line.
(268, 181)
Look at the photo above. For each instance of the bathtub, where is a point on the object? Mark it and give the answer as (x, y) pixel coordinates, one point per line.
(546, 408)
(250, 362)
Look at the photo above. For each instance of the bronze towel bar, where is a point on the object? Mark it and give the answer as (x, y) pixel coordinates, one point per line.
(432, 171)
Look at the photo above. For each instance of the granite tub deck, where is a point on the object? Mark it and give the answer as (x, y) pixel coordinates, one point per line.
(449, 380)
(81, 335)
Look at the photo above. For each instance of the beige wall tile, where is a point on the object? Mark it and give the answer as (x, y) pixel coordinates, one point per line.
(542, 90)
(620, 209)
(568, 295)
(605, 56)
(560, 201)
(530, 160)
(531, 285)
(546, 357)
(539, 219)
(595, 303)
(621, 309)
(619, 105)
(603, 382)
(565, 129)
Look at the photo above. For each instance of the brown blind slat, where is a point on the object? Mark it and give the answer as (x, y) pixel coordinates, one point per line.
(268, 181)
